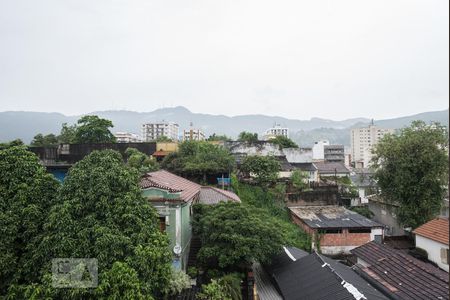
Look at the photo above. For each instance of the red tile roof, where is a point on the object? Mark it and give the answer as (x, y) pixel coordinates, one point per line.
(436, 230)
(172, 183)
(212, 195)
(402, 275)
(161, 153)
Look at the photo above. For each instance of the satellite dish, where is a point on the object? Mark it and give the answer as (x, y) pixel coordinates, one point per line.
(177, 249)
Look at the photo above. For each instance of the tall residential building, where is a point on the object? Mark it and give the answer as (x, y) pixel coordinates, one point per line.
(193, 135)
(153, 131)
(362, 142)
(318, 149)
(334, 153)
(275, 131)
(127, 137)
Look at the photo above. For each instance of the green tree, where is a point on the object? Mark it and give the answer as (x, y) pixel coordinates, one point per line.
(218, 138)
(299, 180)
(412, 170)
(199, 159)
(213, 291)
(26, 194)
(67, 134)
(102, 214)
(283, 142)
(163, 139)
(16, 142)
(248, 137)
(234, 235)
(41, 140)
(140, 161)
(264, 168)
(92, 129)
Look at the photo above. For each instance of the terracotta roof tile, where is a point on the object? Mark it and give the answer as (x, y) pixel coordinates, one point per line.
(171, 182)
(436, 230)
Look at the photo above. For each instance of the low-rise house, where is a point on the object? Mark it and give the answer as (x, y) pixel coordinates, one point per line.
(173, 197)
(399, 274)
(332, 169)
(336, 230)
(309, 168)
(297, 275)
(433, 238)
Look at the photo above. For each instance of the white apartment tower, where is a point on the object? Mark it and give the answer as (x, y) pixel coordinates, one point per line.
(153, 131)
(318, 149)
(193, 135)
(275, 131)
(127, 137)
(362, 142)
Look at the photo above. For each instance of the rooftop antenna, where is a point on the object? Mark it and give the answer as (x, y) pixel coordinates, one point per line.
(372, 122)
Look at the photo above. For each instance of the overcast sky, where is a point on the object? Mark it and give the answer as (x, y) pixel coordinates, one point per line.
(298, 59)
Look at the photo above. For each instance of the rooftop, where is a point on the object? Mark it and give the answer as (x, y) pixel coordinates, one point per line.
(314, 277)
(307, 166)
(331, 168)
(332, 217)
(401, 274)
(212, 195)
(436, 230)
(172, 183)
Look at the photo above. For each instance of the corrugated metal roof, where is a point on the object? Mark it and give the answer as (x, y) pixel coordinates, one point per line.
(315, 277)
(332, 217)
(331, 168)
(436, 230)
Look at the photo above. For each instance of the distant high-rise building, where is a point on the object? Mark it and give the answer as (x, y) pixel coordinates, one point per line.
(362, 142)
(318, 149)
(275, 131)
(127, 137)
(193, 135)
(153, 131)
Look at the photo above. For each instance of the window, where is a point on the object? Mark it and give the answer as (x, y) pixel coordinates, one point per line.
(330, 231)
(444, 255)
(359, 230)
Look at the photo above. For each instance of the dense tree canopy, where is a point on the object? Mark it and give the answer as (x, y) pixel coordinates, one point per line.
(299, 180)
(101, 214)
(67, 134)
(248, 137)
(41, 140)
(234, 235)
(16, 142)
(218, 138)
(283, 142)
(264, 168)
(140, 161)
(92, 129)
(26, 194)
(412, 170)
(198, 159)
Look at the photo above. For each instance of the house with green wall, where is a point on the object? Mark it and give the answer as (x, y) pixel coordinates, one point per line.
(173, 197)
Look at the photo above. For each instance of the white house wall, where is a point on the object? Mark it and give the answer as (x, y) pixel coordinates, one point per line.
(434, 250)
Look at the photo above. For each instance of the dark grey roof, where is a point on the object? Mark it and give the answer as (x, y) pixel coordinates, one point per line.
(332, 217)
(331, 168)
(284, 164)
(264, 287)
(212, 195)
(309, 167)
(401, 274)
(315, 277)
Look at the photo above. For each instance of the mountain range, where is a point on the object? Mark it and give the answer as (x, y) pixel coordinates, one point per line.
(25, 125)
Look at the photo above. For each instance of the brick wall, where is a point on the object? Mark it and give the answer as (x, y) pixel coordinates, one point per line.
(345, 239)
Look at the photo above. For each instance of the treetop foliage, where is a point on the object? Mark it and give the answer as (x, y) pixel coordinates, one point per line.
(92, 129)
(198, 158)
(264, 168)
(412, 170)
(283, 142)
(248, 137)
(218, 138)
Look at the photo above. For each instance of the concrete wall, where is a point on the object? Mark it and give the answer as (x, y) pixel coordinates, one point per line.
(298, 155)
(385, 214)
(434, 250)
(315, 197)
